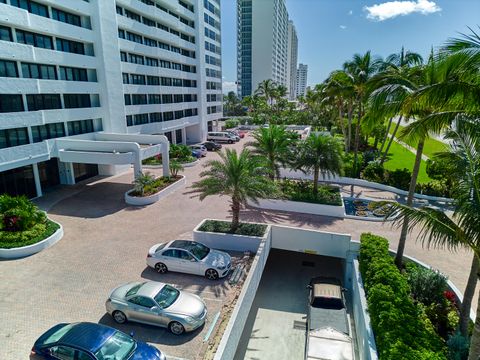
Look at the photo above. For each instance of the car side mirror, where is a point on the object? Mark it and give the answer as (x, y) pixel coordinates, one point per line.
(155, 308)
(193, 260)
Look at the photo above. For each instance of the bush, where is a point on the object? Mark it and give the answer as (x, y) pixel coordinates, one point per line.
(374, 171)
(151, 185)
(399, 178)
(18, 213)
(458, 347)
(39, 232)
(302, 191)
(434, 188)
(427, 286)
(348, 164)
(231, 123)
(225, 227)
(402, 329)
(180, 152)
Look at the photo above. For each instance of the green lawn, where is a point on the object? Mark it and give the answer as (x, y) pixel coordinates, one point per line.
(399, 157)
(431, 145)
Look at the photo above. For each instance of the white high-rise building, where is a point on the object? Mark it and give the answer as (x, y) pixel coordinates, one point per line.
(302, 73)
(262, 44)
(292, 60)
(85, 84)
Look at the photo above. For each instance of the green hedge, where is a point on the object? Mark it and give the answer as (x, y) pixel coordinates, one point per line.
(402, 330)
(225, 227)
(37, 233)
(302, 191)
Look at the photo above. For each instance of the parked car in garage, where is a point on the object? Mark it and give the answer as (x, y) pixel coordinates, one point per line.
(89, 341)
(212, 145)
(221, 136)
(200, 148)
(158, 304)
(328, 326)
(189, 257)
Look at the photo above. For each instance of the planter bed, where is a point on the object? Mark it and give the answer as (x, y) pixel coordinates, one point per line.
(300, 207)
(52, 234)
(170, 187)
(216, 234)
(159, 165)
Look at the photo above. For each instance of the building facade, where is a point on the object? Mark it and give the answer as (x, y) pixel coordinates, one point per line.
(94, 69)
(262, 44)
(292, 61)
(302, 73)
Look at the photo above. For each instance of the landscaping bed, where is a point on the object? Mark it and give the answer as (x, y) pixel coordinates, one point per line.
(245, 229)
(302, 191)
(39, 232)
(413, 314)
(155, 186)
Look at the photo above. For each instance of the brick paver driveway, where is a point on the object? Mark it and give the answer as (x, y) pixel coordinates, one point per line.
(106, 242)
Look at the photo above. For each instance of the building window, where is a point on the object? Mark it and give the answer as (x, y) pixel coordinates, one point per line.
(138, 79)
(126, 78)
(66, 17)
(155, 117)
(8, 68)
(73, 101)
(139, 99)
(47, 131)
(31, 7)
(39, 71)
(153, 80)
(127, 99)
(73, 74)
(177, 98)
(154, 99)
(123, 56)
(167, 116)
(140, 119)
(119, 10)
(43, 102)
(167, 99)
(13, 137)
(70, 46)
(129, 120)
(10, 103)
(5, 33)
(37, 40)
(80, 127)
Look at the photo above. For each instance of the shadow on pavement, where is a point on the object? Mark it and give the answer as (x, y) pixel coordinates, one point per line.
(151, 334)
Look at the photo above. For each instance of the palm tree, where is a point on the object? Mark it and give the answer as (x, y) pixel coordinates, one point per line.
(462, 229)
(361, 68)
(267, 88)
(141, 181)
(239, 176)
(273, 144)
(320, 153)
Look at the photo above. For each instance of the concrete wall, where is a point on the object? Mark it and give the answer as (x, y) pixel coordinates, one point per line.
(233, 332)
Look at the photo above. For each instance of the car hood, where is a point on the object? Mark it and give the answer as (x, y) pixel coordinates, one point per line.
(217, 258)
(146, 352)
(187, 304)
(119, 292)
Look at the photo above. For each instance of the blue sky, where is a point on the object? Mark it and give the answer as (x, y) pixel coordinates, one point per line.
(331, 31)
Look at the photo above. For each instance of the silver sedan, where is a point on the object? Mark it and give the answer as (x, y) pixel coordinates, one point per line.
(157, 304)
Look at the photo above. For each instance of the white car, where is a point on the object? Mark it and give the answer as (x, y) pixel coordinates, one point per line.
(190, 257)
(200, 148)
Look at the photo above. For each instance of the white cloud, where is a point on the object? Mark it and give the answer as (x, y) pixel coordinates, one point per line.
(350, 12)
(343, 27)
(391, 9)
(228, 86)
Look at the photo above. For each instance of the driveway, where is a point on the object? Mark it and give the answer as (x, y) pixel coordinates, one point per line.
(106, 242)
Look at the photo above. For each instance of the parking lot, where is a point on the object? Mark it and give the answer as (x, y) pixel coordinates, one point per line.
(276, 324)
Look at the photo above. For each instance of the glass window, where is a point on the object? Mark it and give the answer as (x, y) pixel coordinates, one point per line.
(5, 33)
(118, 346)
(142, 301)
(80, 127)
(8, 68)
(66, 17)
(77, 101)
(11, 103)
(167, 296)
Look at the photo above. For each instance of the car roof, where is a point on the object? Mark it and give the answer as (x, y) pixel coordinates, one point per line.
(87, 336)
(326, 287)
(150, 289)
(181, 244)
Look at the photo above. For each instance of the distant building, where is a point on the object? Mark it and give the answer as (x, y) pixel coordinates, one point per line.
(262, 44)
(292, 58)
(302, 72)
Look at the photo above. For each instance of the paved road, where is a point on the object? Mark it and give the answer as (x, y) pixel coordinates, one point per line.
(105, 244)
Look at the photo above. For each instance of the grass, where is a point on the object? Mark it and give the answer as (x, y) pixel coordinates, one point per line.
(225, 227)
(431, 147)
(39, 232)
(399, 157)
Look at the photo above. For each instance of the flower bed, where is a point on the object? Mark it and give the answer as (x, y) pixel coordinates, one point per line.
(401, 326)
(157, 185)
(39, 232)
(302, 191)
(155, 191)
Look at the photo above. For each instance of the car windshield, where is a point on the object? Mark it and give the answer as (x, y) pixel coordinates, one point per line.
(117, 347)
(133, 290)
(198, 250)
(167, 296)
(57, 335)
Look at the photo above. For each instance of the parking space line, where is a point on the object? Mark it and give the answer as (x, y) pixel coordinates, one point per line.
(174, 358)
(210, 299)
(210, 329)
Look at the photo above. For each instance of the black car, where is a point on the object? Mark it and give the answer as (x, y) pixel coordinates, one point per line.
(212, 145)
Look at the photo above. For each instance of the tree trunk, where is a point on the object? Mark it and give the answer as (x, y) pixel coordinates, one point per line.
(474, 353)
(349, 130)
(235, 214)
(385, 138)
(316, 172)
(272, 167)
(468, 297)
(357, 140)
(391, 140)
(342, 125)
(411, 192)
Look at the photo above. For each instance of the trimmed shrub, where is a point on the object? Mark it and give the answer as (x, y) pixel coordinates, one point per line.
(231, 123)
(399, 178)
(374, 171)
(225, 227)
(434, 188)
(302, 191)
(402, 329)
(427, 286)
(458, 347)
(39, 232)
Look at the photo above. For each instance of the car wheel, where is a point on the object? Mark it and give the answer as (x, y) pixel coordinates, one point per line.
(176, 328)
(211, 274)
(161, 268)
(119, 317)
(230, 141)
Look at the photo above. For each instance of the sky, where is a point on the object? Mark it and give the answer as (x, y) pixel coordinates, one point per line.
(331, 31)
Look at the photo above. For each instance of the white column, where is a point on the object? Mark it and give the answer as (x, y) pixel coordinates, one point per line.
(184, 136)
(36, 177)
(166, 159)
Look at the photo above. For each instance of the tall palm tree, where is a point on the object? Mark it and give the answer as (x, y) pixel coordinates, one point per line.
(361, 68)
(239, 176)
(463, 227)
(273, 144)
(320, 153)
(267, 88)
